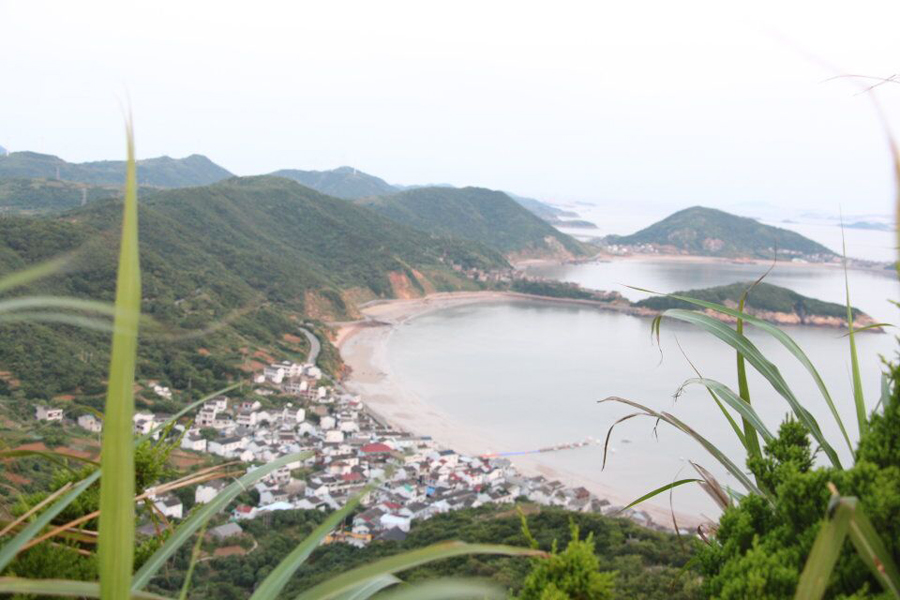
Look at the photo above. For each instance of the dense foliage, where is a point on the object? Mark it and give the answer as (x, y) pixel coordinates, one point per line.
(477, 214)
(551, 289)
(648, 564)
(159, 172)
(31, 196)
(760, 548)
(764, 296)
(712, 232)
(239, 261)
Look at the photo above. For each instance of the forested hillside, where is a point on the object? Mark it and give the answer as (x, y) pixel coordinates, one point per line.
(242, 257)
(486, 216)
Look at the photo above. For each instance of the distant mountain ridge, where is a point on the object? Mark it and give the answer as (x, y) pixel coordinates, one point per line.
(352, 184)
(477, 214)
(343, 182)
(711, 232)
(162, 171)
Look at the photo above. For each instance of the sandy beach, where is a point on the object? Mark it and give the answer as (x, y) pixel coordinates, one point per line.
(363, 346)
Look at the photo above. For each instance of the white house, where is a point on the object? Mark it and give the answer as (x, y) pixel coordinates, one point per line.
(169, 505)
(90, 422)
(194, 442)
(206, 417)
(290, 414)
(327, 422)
(162, 391)
(219, 403)
(246, 418)
(205, 492)
(47, 413)
(274, 373)
(334, 436)
(226, 447)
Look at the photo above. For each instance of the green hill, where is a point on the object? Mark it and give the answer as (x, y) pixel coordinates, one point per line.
(486, 216)
(545, 211)
(764, 297)
(343, 182)
(158, 172)
(34, 196)
(711, 232)
(244, 256)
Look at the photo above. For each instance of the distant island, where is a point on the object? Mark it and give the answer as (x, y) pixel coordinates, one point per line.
(766, 301)
(701, 231)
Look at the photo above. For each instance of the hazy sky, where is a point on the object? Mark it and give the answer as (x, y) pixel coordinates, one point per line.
(644, 103)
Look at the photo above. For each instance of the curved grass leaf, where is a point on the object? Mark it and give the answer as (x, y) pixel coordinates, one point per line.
(446, 589)
(281, 574)
(200, 516)
(61, 318)
(680, 425)
(734, 426)
(62, 587)
(116, 524)
(658, 491)
(9, 550)
(779, 335)
(858, 396)
(184, 411)
(743, 408)
(401, 562)
(369, 588)
(765, 367)
(39, 271)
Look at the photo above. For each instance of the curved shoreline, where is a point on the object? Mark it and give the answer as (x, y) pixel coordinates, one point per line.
(363, 347)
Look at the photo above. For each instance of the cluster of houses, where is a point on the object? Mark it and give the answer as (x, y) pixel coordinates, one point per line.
(346, 449)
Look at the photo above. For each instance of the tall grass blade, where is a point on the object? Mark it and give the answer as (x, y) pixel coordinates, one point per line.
(401, 562)
(680, 425)
(281, 574)
(659, 491)
(751, 441)
(116, 524)
(765, 367)
(446, 589)
(872, 551)
(9, 550)
(370, 588)
(823, 556)
(779, 335)
(63, 587)
(195, 555)
(752, 420)
(201, 515)
(39, 271)
(858, 397)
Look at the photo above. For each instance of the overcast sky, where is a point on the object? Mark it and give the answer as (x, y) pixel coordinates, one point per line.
(645, 103)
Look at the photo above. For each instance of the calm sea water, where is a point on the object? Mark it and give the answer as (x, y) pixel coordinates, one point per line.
(528, 375)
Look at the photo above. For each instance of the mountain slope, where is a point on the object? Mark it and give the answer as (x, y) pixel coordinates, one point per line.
(710, 232)
(542, 209)
(343, 182)
(35, 196)
(243, 257)
(486, 216)
(158, 172)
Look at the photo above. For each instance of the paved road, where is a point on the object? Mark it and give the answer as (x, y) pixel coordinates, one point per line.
(314, 346)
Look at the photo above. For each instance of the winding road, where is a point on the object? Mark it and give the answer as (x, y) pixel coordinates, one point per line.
(314, 345)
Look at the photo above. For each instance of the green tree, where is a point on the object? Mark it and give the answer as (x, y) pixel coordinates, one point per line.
(573, 574)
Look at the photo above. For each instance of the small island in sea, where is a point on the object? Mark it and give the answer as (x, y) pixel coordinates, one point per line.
(766, 301)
